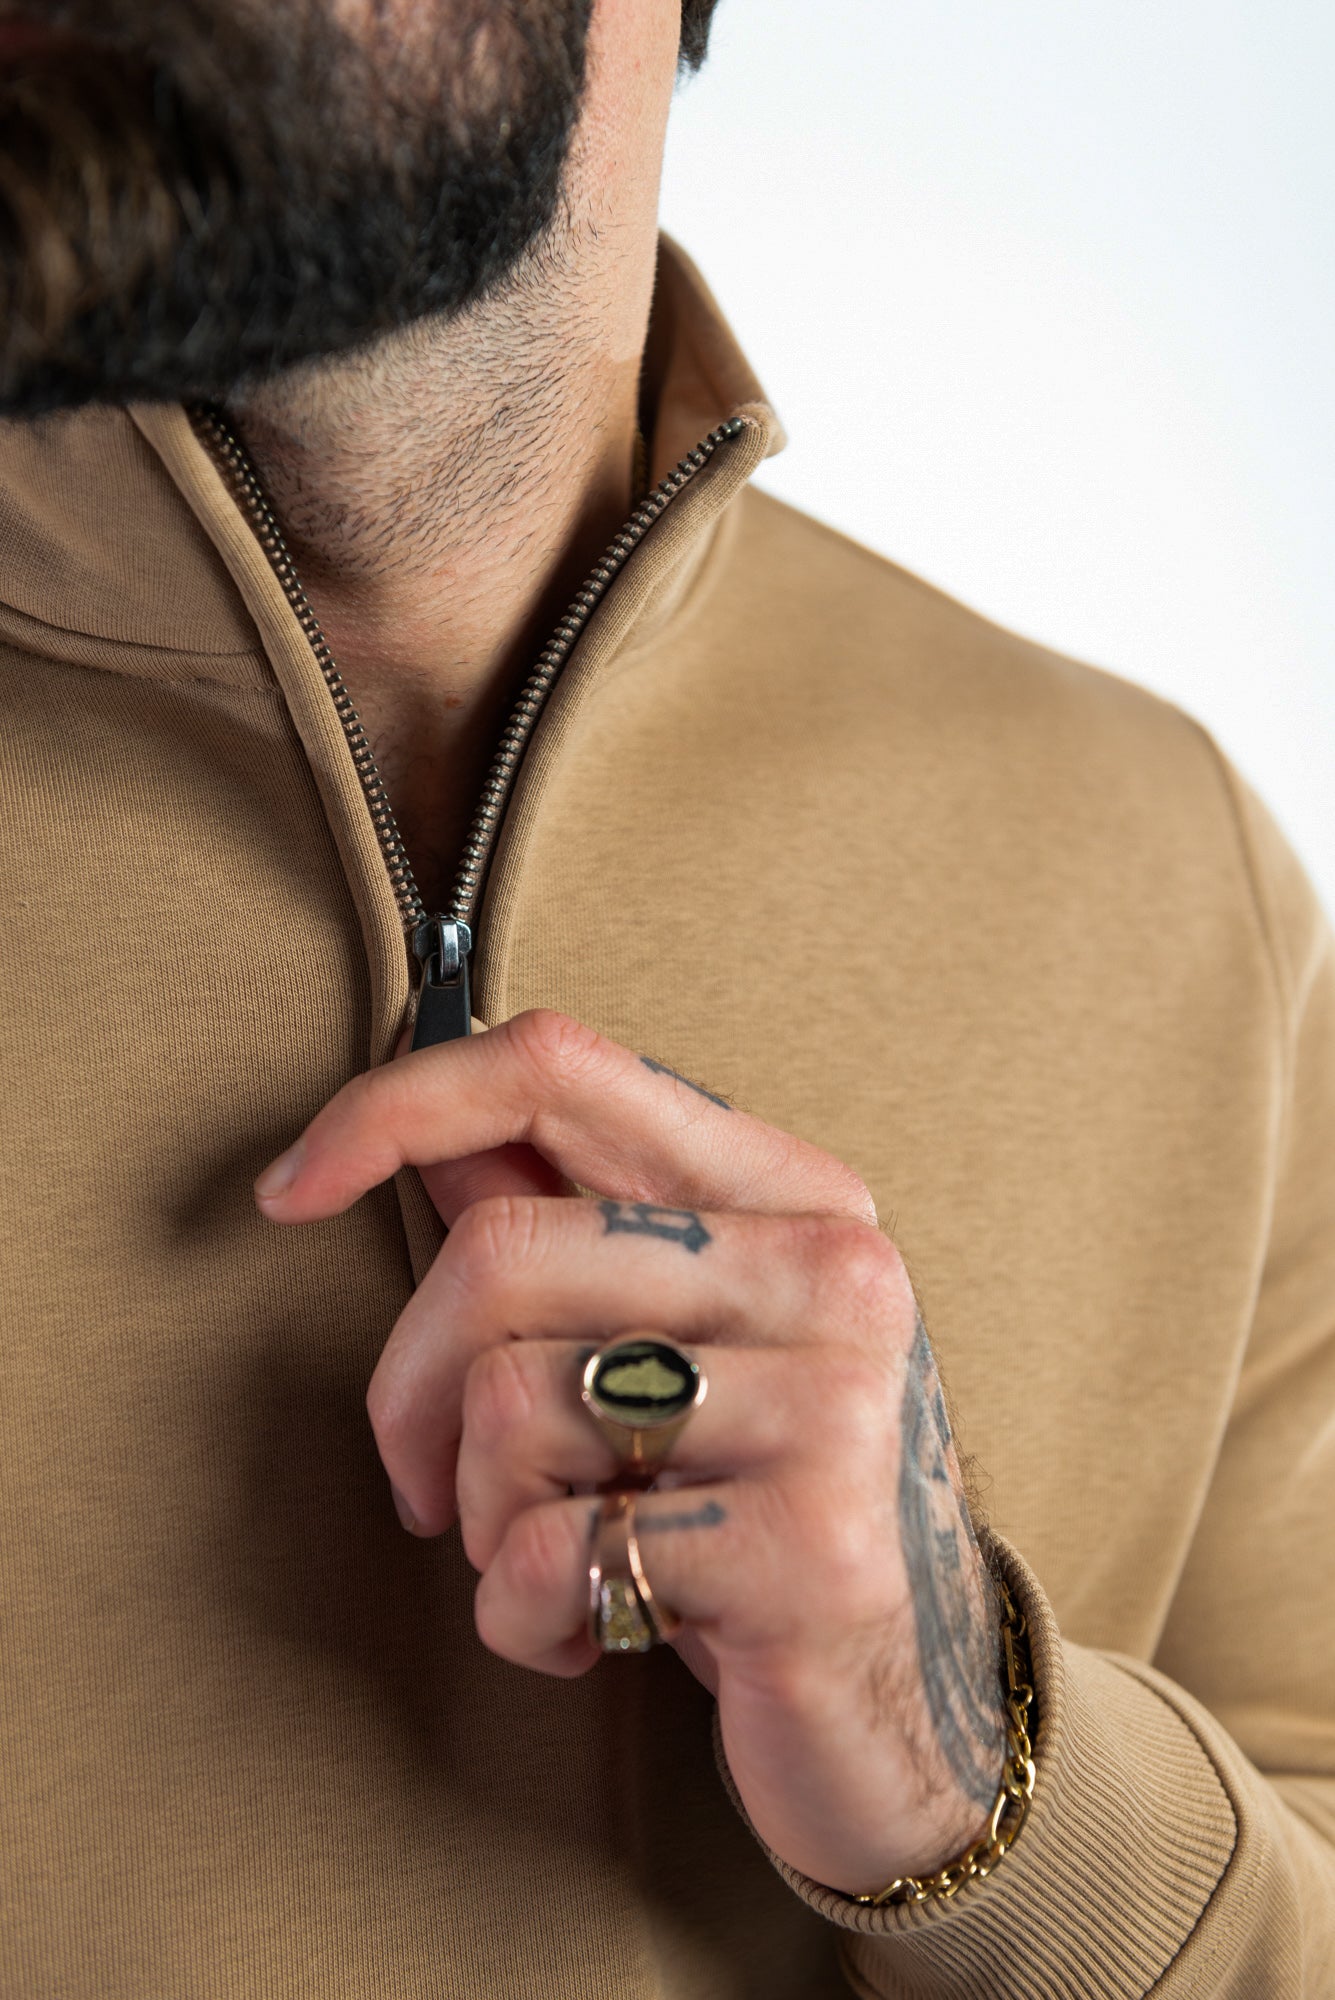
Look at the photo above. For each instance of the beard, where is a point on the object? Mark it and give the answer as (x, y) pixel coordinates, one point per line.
(199, 193)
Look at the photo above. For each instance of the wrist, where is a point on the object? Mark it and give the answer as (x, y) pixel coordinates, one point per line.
(988, 1846)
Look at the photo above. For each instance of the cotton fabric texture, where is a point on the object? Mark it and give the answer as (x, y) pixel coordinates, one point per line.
(1005, 933)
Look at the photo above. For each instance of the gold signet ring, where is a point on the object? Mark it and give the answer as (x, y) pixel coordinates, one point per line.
(624, 1614)
(641, 1391)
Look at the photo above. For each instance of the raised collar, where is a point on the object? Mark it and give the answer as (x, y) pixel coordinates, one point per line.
(121, 548)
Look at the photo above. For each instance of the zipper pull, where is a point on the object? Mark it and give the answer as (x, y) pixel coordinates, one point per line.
(444, 1013)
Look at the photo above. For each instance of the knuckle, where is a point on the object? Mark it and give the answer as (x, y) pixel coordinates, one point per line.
(852, 1260)
(865, 1252)
(488, 1615)
(498, 1396)
(376, 1099)
(363, 1090)
(822, 1183)
(492, 1236)
(851, 1549)
(869, 1266)
(859, 1198)
(387, 1413)
(354, 1116)
(561, 1049)
(855, 1408)
(474, 1536)
(538, 1552)
(848, 1411)
(836, 1561)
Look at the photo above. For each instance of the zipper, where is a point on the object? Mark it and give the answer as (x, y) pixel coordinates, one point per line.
(443, 940)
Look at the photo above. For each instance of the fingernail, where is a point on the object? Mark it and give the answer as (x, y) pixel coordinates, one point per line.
(281, 1173)
(405, 1513)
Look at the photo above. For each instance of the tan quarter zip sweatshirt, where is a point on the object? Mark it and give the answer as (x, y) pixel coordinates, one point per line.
(1003, 932)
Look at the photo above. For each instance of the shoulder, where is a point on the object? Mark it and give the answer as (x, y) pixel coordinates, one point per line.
(1064, 784)
(880, 657)
(880, 626)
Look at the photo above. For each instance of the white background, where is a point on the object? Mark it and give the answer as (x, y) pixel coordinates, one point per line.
(1045, 294)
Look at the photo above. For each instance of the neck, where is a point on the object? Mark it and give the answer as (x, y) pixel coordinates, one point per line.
(442, 502)
(445, 491)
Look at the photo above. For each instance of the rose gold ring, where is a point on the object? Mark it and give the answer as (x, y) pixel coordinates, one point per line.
(624, 1614)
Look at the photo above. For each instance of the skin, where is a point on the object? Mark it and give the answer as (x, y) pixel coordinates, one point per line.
(811, 1529)
(445, 492)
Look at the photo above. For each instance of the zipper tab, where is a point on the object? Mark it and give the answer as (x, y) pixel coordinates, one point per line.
(444, 1013)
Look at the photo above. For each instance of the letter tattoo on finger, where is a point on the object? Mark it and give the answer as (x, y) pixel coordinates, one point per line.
(642, 1218)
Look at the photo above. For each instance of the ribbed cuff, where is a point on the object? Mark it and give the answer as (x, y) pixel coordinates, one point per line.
(1129, 1832)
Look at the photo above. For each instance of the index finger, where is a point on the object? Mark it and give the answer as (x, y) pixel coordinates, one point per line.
(607, 1119)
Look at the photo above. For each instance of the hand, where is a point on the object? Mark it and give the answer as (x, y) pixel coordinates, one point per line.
(812, 1529)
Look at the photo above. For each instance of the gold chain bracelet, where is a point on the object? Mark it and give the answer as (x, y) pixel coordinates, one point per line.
(1011, 1809)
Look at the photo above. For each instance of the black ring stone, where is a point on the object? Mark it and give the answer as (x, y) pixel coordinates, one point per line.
(644, 1383)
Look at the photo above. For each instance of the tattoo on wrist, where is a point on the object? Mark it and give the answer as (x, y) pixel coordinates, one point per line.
(661, 1069)
(642, 1218)
(954, 1602)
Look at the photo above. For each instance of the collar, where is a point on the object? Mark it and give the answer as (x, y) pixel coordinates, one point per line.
(121, 548)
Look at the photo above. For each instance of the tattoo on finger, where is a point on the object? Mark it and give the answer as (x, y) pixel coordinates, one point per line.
(709, 1514)
(661, 1069)
(642, 1218)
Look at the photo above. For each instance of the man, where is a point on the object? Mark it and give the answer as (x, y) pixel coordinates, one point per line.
(359, 426)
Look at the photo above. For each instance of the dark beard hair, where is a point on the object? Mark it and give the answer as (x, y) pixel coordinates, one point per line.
(184, 206)
(696, 16)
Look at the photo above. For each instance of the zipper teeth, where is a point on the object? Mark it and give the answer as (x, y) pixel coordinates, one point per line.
(466, 893)
(500, 778)
(231, 453)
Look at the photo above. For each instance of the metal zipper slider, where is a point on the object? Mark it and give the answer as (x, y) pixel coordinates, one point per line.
(444, 1014)
(441, 943)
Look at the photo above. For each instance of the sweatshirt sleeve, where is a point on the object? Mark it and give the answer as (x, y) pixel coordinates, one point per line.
(1181, 1841)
